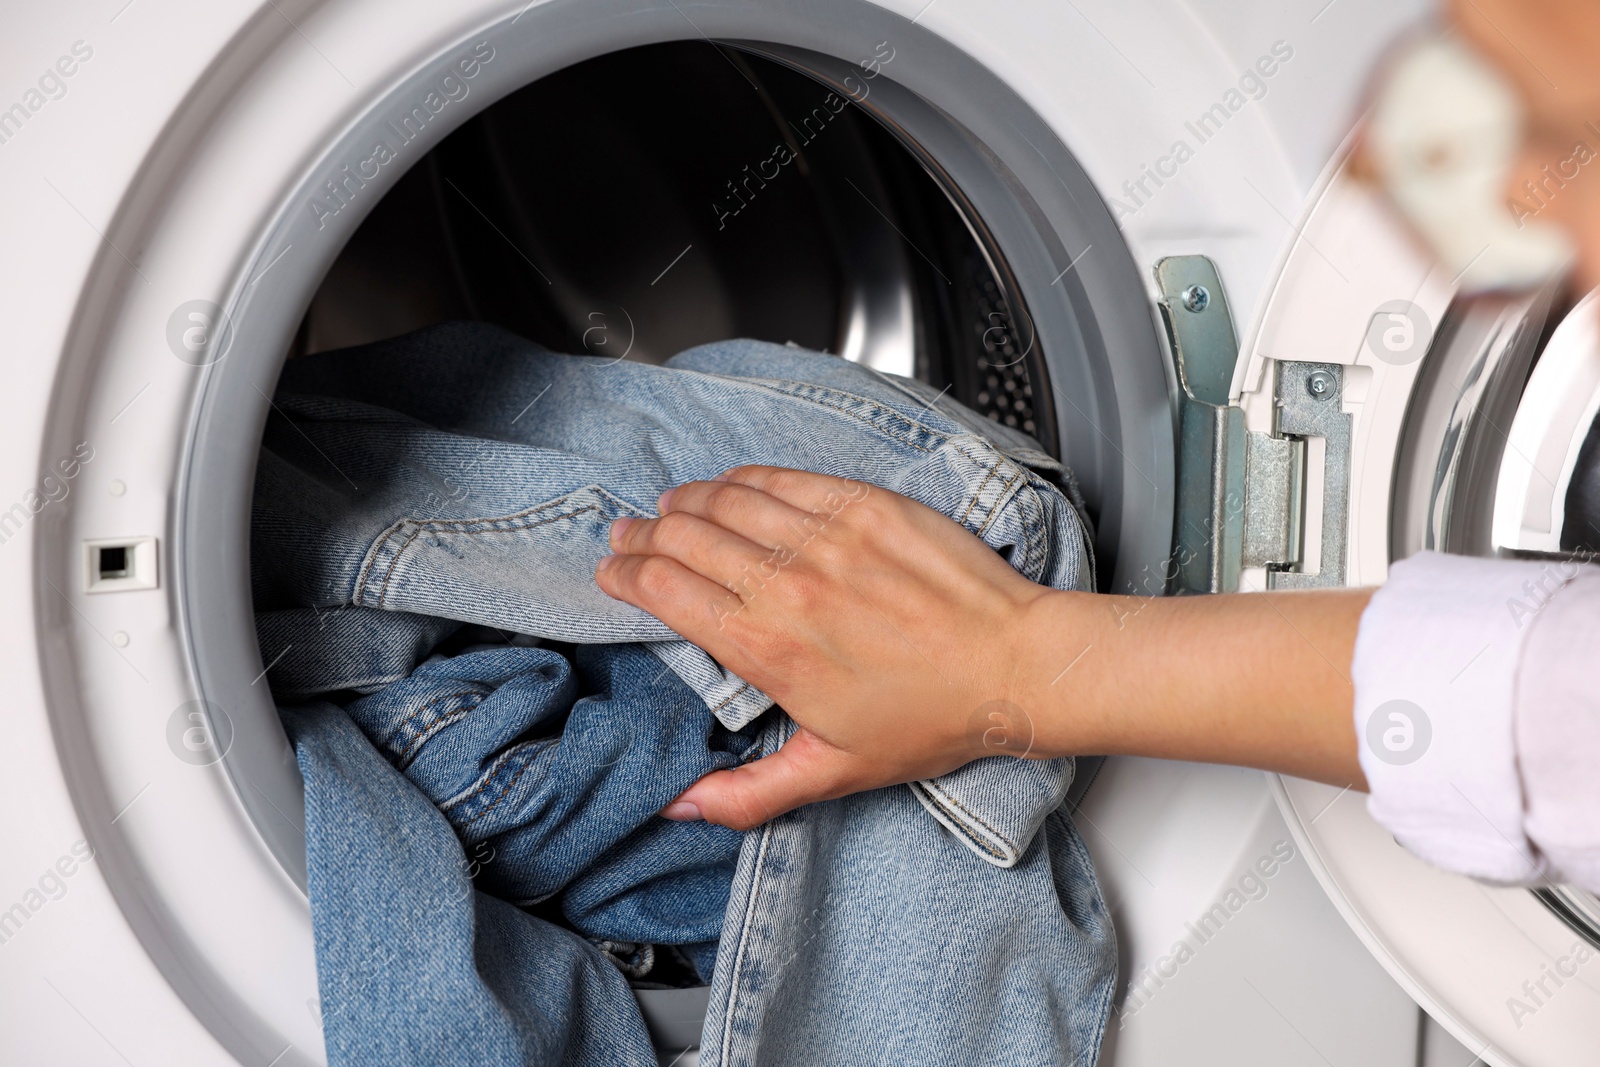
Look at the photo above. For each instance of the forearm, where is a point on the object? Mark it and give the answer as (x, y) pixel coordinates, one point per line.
(903, 647)
(1257, 679)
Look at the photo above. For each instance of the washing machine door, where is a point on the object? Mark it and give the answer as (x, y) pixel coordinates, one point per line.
(173, 276)
(164, 283)
(1411, 418)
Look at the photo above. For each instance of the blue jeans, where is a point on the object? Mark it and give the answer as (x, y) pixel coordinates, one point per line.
(463, 474)
(549, 773)
(415, 966)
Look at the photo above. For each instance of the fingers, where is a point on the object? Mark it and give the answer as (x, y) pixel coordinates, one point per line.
(737, 534)
(803, 490)
(757, 516)
(684, 600)
(829, 499)
(704, 547)
(805, 770)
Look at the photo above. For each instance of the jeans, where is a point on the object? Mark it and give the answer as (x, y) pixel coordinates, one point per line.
(551, 772)
(463, 474)
(858, 932)
(414, 966)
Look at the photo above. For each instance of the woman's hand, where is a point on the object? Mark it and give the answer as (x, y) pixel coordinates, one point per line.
(904, 647)
(886, 631)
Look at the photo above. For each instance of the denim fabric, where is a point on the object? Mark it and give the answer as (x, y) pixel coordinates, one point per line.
(413, 965)
(537, 781)
(464, 474)
(309, 650)
(552, 772)
(860, 933)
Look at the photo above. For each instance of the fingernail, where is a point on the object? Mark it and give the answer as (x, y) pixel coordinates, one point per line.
(721, 477)
(605, 561)
(619, 526)
(665, 501)
(682, 811)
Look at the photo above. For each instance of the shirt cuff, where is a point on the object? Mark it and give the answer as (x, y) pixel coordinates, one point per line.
(1558, 729)
(1435, 673)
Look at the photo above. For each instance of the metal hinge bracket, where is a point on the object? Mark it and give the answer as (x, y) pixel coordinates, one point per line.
(1240, 493)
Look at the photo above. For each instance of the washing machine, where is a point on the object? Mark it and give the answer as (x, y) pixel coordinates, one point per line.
(1130, 229)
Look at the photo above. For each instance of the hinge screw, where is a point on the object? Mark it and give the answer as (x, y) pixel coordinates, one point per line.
(1196, 298)
(1320, 385)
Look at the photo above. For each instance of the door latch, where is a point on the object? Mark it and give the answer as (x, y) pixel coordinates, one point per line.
(1241, 494)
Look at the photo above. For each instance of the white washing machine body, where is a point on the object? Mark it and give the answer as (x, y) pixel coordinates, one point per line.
(173, 168)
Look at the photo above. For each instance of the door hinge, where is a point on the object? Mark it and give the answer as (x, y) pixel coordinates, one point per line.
(1241, 494)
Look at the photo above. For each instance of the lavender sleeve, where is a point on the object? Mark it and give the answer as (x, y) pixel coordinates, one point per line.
(1478, 715)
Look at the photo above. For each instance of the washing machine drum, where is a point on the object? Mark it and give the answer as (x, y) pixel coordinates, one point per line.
(592, 213)
(689, 232)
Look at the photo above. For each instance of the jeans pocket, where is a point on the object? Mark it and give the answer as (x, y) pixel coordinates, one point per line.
(531, 571)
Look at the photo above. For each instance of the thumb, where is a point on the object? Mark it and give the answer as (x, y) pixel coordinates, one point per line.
(805, 770)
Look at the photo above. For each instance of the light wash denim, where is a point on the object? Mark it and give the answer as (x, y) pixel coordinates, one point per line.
(463, 473)
(859, 933)
(415, 966)
(552, 772)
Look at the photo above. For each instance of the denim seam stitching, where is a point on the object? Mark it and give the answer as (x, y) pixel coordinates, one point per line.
(1031, 506)
(1025, 503)
(525, 513)
(389, 570)
(1004, 491)
(423, 732)
(419, 709)
(372, 556)
(977, 494)
(756, 878)
(1031, 510)
(1033, 458)
(729, 699)
(1041, 526)
(992, 469)
(395, 529)
(987, 847)
(502, 524)
(730, 1010)
(826, 393)
(889, 380)
(725, 701)
(508, 757)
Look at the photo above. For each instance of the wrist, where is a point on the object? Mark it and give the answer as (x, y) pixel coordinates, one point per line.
(1255, 679)
(1064, 637)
